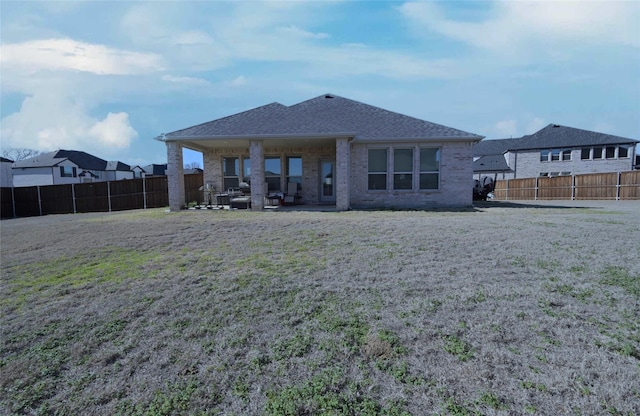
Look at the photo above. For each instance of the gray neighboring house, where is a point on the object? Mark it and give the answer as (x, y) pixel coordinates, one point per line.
(554, 151)
(155, 170)
(336, 151)
(65, 167)
(6, 176)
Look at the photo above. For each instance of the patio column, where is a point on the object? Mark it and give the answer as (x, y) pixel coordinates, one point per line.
(343, 174)
(175, 176)
(256, 153)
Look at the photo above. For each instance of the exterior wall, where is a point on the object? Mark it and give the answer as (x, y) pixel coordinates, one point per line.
(6, 176)
(528, 164)
(32, 176)
(456, 185)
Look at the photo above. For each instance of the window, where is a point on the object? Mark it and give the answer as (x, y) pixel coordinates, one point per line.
(565, 154)
(555, 154)
(623, 152)
(403, 169)
(68, 172)
(585, 153)
(429, 168)
(544, 174)
(554, 174)
(597, 153)
(565, 173)
(231, 172)
(246, 170)
(272, 172)
(544, 155)
(610, 152)
(377, 167)
(294, 170)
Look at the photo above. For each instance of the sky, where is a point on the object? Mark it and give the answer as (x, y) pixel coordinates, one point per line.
(108, 77)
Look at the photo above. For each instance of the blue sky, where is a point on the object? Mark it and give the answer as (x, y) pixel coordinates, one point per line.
(107, 77)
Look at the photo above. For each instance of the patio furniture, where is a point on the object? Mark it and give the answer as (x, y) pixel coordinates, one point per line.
(292, 197)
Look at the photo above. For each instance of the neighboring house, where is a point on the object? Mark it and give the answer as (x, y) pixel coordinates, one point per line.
(554, 151)
(6, 177)
(338, 151)
(116, 171)
(64, 167)
(138, 172)
(155, 170)
(193, 171)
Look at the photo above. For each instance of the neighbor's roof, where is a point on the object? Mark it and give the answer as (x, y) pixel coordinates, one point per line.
(4, 159)
(491, 163)
(550, 137)
(81, 159)
(119, 166)
(325, 115)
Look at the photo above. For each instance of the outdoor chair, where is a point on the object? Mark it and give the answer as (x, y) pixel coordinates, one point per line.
(291, 197)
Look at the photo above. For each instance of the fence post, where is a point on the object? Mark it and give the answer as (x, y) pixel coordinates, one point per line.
(573, 187)
(506, 190)
(535, 191)
(109, 195)
(618, 187)
(13, 202)
(144, 192)
(39, 201)
(73, 197)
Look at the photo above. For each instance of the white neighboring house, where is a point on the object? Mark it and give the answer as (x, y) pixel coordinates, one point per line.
(6, 177)
(65, 167)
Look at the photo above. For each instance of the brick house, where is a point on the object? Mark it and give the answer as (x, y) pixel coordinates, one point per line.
(554, 151)
(338, 151)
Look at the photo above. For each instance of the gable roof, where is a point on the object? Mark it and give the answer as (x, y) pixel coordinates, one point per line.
(491, 163)
(327, 115)
(552, 136)
(117, 165)
(82, 159)
(155, 169)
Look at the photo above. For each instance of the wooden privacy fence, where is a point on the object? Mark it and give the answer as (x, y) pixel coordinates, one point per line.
(94, 197)
(615, 185)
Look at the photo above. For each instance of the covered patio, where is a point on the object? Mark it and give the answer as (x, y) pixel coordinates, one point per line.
(264, 168)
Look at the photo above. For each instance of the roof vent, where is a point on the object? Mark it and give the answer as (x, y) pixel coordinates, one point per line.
(328, 96)
(556, 125)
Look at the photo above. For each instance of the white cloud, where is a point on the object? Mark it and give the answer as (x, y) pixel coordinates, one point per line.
(506, 128)
(297, 32)
(188, 81)
(49, 122)
(68, 54)
(535, 124)
(239, 81)
(516, 27)
(114, 131)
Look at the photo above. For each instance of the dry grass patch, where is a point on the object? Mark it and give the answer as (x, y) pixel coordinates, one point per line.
(494, 312)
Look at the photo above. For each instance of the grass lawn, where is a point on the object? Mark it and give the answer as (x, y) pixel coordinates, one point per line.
(501, 310)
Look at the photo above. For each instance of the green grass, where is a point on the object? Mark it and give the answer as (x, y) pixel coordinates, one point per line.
(621, 277)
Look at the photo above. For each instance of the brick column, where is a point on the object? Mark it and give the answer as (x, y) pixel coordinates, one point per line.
(256, 153)
(343, 174)
(175, 176)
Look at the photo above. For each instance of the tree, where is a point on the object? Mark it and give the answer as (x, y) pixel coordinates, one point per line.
(192, 165)
(17, 154)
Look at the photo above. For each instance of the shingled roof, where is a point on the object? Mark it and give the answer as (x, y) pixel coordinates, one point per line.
(325, 115)
(82, 159)
(491, 163)
(553, 136)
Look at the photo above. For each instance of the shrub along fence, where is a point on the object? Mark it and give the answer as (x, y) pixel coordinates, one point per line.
(94, 197)
(615, 185)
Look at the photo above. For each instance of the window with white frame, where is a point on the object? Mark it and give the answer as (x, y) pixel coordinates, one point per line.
(623, 151)
(565, 154)
(555, 155)
(403, 169)
(585, 153)
(429, 168)
(544, 155)
(377, 169)
(68, 172)
(610, 152)
(597, 153)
